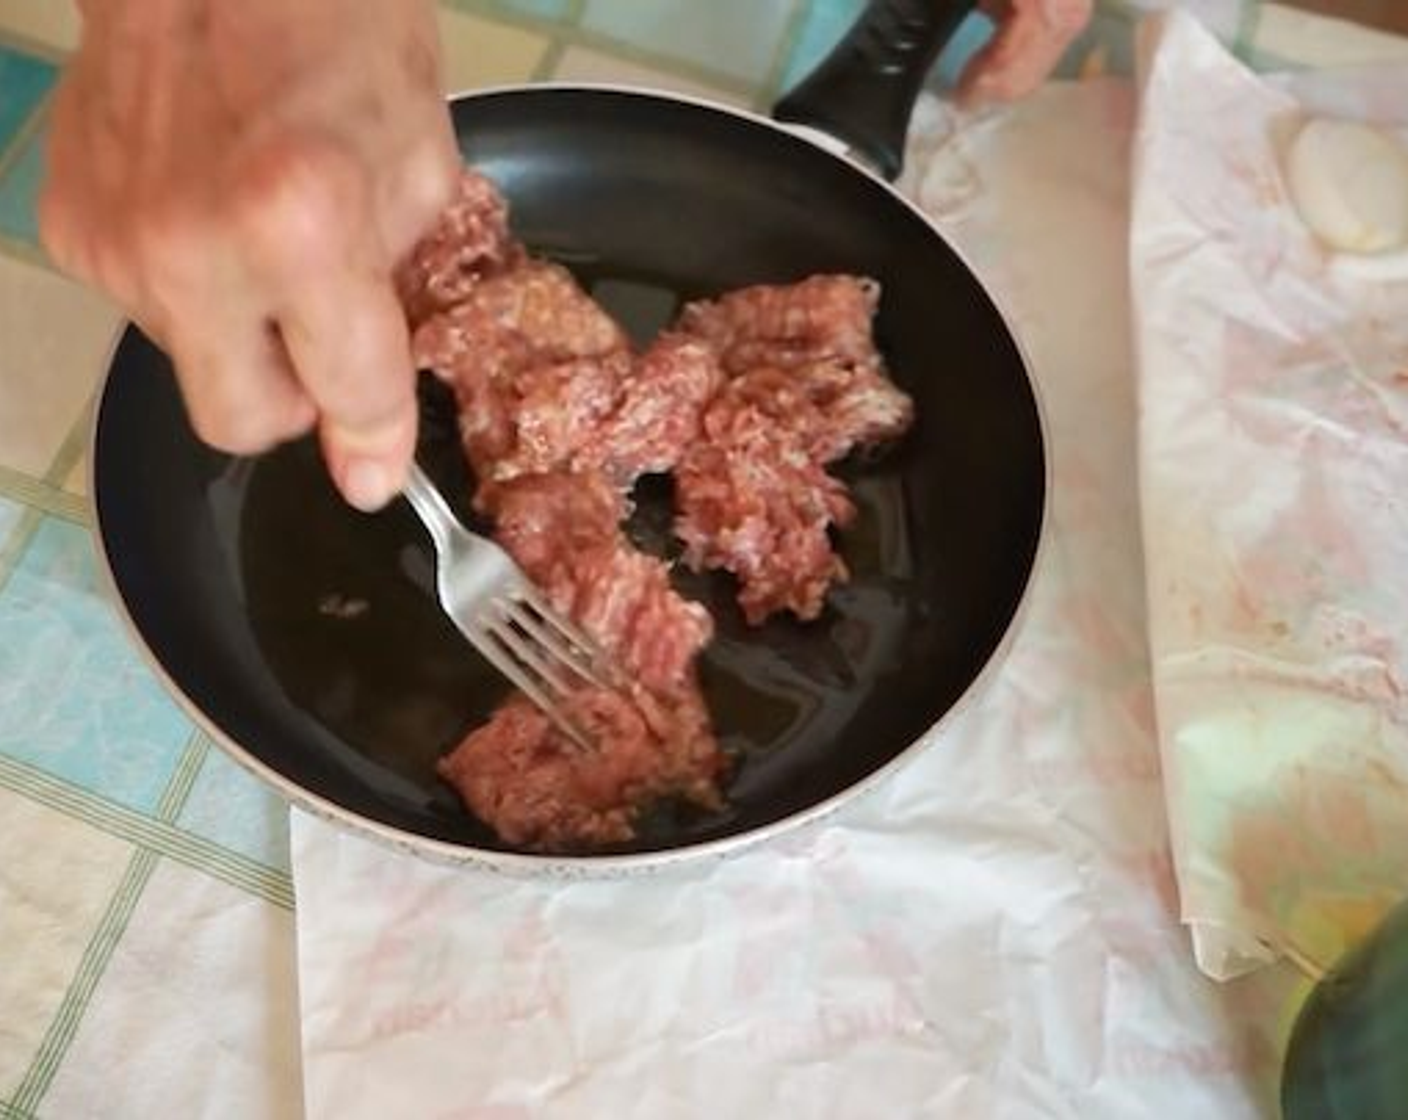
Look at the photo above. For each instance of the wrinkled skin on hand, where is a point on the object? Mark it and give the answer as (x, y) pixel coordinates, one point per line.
(241, 179)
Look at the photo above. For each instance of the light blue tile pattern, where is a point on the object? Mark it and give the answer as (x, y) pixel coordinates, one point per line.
(24, 80)
(75, 700)
(19, 192)
(237, 811)
(821, 28)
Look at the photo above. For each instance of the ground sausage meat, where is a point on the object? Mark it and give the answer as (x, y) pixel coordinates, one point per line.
(558, 418)
(822, 318)
(574, 399)
(656, 414)
(806, 388)
(532, 313)
(470, 239)
(831, 408)
(745, 400)
(650, 733)
(752, 500)
(536, 366)
(564, 531)
(537, 790)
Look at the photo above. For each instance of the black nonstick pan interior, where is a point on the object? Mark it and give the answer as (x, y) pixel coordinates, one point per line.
(306, 635)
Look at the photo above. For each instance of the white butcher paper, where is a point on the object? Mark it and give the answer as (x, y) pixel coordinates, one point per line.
(1273, 391)
(992, 933)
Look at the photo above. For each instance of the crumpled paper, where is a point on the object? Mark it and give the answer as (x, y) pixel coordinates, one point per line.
(992, 933)
(1273, 390)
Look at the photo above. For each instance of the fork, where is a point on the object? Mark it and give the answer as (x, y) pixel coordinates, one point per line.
(503, 615)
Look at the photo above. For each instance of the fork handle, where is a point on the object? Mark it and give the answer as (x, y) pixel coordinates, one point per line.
(435, 513)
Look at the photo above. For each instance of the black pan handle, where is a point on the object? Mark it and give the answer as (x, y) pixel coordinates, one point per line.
(864, 91)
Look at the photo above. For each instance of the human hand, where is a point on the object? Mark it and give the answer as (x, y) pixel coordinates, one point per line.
(1031, 37)
(242, 178)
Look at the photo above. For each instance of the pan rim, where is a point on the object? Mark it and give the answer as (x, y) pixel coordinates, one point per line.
(612, 865)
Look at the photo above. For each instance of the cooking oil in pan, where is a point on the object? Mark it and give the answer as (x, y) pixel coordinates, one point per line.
(343, 607)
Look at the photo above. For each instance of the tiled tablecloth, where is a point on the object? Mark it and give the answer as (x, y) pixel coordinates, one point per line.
(147, 950)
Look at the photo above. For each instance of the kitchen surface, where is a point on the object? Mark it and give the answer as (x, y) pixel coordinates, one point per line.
(155, 956)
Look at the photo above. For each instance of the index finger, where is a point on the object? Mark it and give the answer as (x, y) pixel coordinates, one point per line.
(317, 247)
(346, 336)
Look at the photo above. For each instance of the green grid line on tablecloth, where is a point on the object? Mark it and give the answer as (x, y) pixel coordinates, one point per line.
(75, 444)
(78, 702)
(90, 776)
(9, 518)
(654, 58)
(80, 990)
(25, 81)
(167, 839)
(20, 43)
(43, 496)
(105, 939)
(21, 175)
(16, 541)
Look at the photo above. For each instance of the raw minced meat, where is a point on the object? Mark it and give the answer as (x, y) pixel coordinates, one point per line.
(656, 414)
(806, 387)
(575, 399)
(511, 320)
(822, 318)
(470, 239)
(649, 732)
(540, 790)
(535, 422)
(831, 408)
(745, 400)
(753, 500)
(564, 531)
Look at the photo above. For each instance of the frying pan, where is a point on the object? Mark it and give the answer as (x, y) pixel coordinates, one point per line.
(305, 637)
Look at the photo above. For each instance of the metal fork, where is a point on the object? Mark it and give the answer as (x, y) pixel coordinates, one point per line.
(503, 615)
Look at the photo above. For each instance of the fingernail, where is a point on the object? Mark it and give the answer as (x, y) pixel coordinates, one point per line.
(367, 484)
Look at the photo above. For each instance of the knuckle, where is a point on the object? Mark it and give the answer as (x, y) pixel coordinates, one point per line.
(373, 401)
(388, 434)
(220, 417)
(361, 371)
(295, 196)
(434, 172)
(235, 433)
(173, 242)
(377, 413)
(288, 418)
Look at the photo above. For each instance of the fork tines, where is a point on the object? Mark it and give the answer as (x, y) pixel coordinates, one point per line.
(541, 653)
